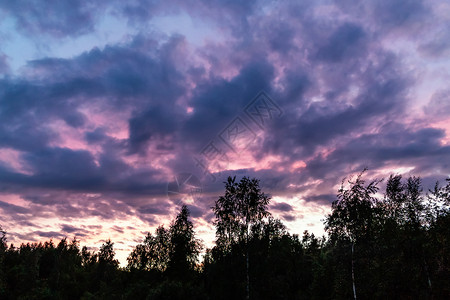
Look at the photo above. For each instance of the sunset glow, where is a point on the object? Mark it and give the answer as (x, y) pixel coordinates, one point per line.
(104, 104)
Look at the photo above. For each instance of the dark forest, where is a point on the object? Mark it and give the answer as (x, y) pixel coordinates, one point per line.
(389, 244)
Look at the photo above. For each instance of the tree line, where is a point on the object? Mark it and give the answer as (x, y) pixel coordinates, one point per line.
(393, 244)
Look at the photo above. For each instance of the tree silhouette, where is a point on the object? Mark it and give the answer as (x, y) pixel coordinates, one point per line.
(242, 206)
(3, 248)
(107, 264)
(153, 253)
(352, 214)
(394, 246)
(107, 253)
(184, 246)
(439, 243)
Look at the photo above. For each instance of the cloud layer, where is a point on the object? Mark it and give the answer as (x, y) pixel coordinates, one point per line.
(90, 140)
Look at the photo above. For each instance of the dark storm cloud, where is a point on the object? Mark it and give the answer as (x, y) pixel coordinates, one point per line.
(322, 122)
(281, 206)
(48, 234)
(280, 36)
(69, 229)
(118, 72)
(218, 101)
(326, 199)
(388, 15)
(117, 228)
(197, 211)
(56, 18)
(29, 106)
(397, 13)
(392, 144)
(439, 44)
(162, 208)
(232, 14)
(215, 102)
(345, 42)
(4, 66)
(63, 168)
(96, 136)
(13, 108)
(290, 218)
(94, 226)
(339, 88)
(157, 122)
(439, 105)
(9, 208)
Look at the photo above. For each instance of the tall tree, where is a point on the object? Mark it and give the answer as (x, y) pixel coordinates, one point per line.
(439, 231)
(352, 214)
(184, 246)
(2, 239)
(106, 254)
(3, 248)
(153, 253)
(242, 206)
(107, 264)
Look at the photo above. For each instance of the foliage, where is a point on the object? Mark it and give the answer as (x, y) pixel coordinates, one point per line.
(153, 253)
(184, 247)
(242, 206)
(400, 242)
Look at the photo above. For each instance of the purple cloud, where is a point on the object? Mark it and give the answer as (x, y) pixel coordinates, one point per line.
(99, 134)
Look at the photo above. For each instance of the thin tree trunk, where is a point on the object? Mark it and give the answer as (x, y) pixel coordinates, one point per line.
(427, 273)
(353, 273)
(428, 276)
(248, 279)
(247, 267)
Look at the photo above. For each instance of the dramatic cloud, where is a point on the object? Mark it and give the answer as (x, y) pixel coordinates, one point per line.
(112, 114)
(57, 18)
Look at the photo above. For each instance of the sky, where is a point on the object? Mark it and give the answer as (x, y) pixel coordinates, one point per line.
(115, 113)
